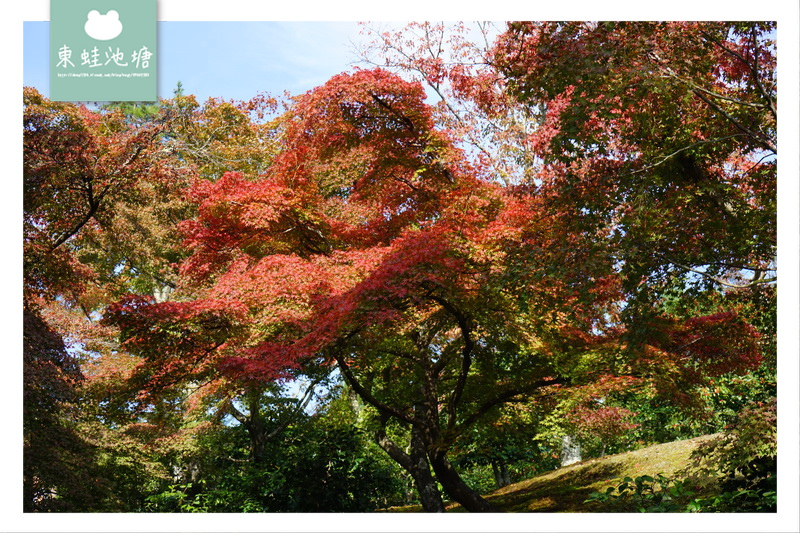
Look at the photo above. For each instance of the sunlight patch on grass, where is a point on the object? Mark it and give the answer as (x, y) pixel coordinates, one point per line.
(566, 489)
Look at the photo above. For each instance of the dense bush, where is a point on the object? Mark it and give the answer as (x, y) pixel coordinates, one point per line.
(311, 469)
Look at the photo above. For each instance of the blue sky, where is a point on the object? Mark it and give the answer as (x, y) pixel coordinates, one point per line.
(227, 59)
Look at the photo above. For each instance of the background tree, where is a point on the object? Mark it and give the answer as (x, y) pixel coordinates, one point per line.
(676, 123)
(56, 460)
(467, 95)
(78, 166)
(102, 198)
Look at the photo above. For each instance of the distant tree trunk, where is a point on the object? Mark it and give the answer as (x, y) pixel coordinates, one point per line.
(187, 473)
(257, 442)
(258, 427)
(501, 475)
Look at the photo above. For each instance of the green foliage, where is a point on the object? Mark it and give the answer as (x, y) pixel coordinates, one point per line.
(315, 468)
(662, 494)
(336, 470)
(135, 111)
(503, 449)
(743, 500)
(746, 459)
(647, 494)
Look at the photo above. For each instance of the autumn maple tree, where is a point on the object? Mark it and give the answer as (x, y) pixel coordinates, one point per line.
(82, 172)
(675, 122)
(348, 230)
(101, 199)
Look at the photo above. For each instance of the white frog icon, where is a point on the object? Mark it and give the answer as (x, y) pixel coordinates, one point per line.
(103, 27)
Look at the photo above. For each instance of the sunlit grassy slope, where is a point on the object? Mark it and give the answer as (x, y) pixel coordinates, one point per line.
(566, 489)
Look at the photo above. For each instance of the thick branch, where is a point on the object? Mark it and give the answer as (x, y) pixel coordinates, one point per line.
(392, 449)
(466, 357)
(307, 396)
(366, 395)
(95, 200)
(403, 118)
(506, 396)
(754, 134)
(77, 227)
(232, 410)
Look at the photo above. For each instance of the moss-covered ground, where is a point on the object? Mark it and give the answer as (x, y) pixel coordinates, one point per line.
(567, 488)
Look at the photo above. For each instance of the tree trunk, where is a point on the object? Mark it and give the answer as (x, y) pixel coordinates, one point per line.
(456, 488)
(256, 427)
(429, 494)
(501, 476)
(416, 464)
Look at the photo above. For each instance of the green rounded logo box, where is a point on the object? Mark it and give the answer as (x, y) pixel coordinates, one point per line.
(103, 50)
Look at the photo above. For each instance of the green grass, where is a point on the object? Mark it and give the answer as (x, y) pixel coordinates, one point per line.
(564, 490)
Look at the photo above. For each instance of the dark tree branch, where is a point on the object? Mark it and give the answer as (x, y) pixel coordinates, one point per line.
(366, 395)
(93, 207)
(505, 397)
(466, 357)
(756, 135)
(403, 118)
